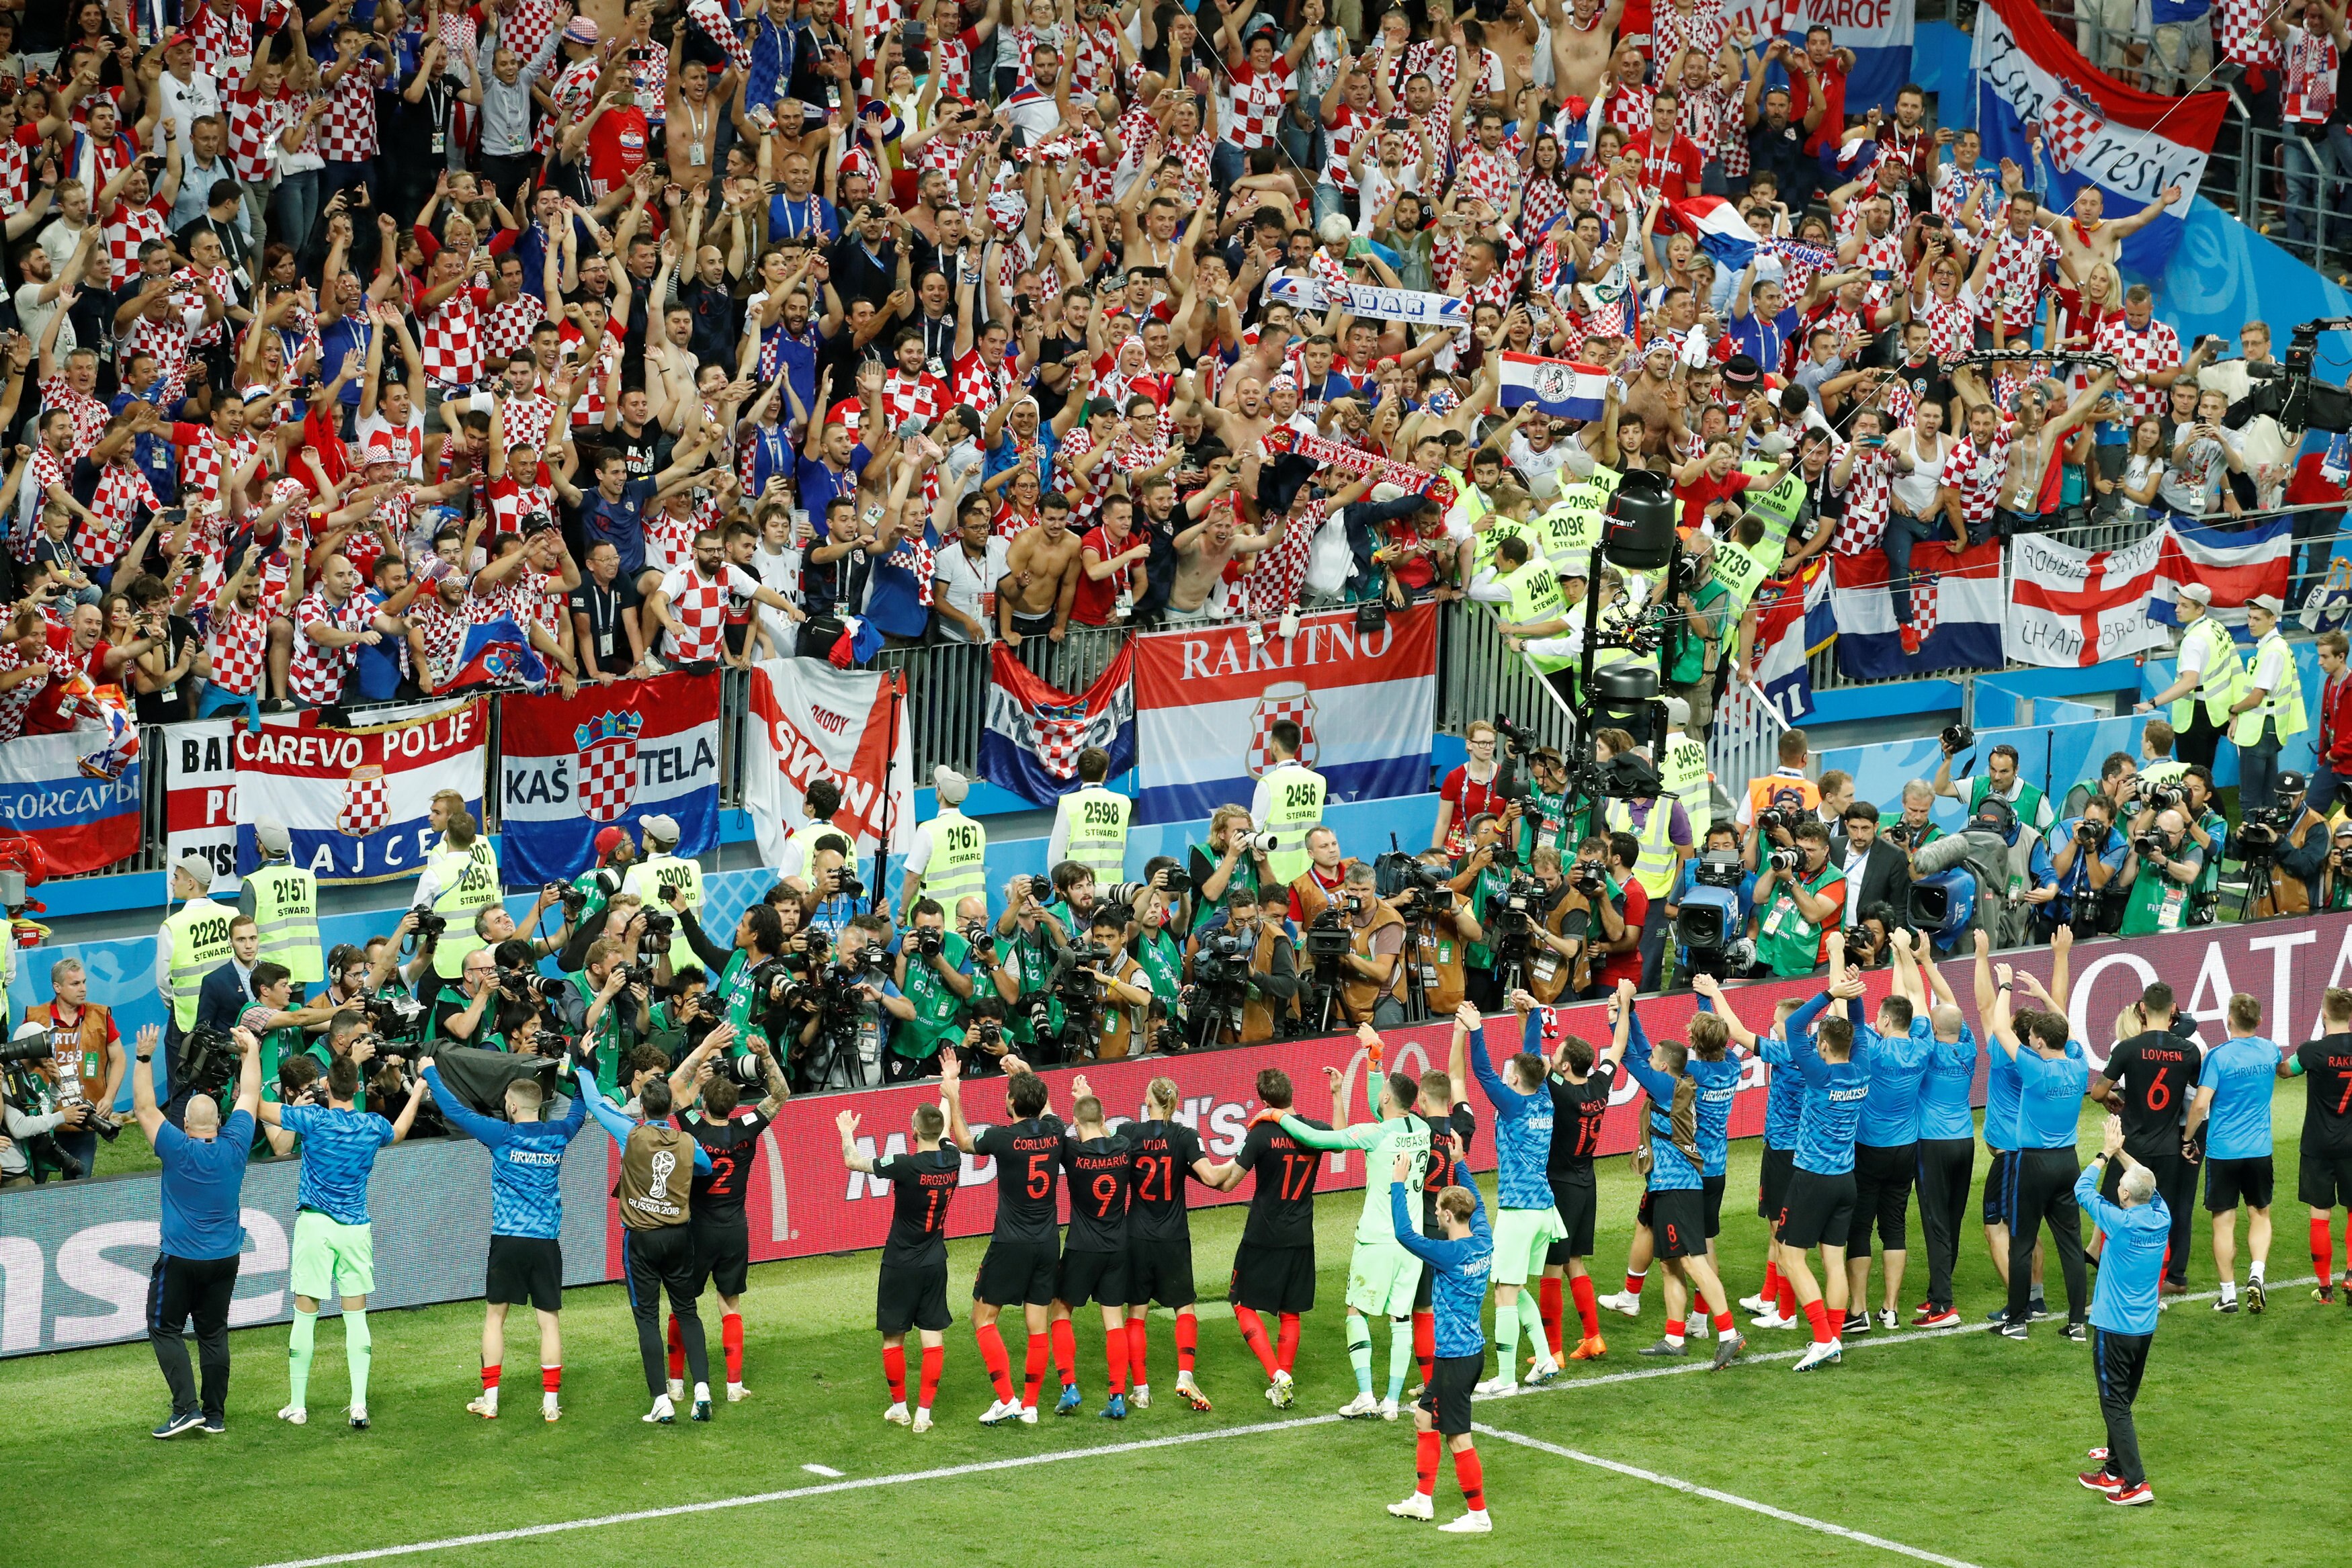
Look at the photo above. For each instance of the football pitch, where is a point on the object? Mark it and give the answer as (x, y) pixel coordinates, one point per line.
(1956, 1448)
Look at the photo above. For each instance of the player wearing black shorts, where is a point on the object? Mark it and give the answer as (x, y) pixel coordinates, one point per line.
(2149, 1079)
(722, 1236)
(2323, 1176)
(1579, 1088)
(912, 1292)
(1159, 1241)
(1025, 1250)
(1445, 1170)
(1099, 1165)
(1274, 1268)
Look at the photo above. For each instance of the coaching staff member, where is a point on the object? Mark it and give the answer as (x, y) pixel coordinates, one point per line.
(2123, 1310)
(195, 1269)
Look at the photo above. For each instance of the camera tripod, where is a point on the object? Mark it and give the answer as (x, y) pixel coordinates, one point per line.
(2260, 883)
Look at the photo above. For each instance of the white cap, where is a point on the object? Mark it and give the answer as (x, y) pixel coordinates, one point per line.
(661, 830)
(2270, 601)
(197, 869)
(1677, 713)
(2197, 591)
(952, 785)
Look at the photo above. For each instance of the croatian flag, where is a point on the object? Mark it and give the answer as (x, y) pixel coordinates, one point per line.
(497, 653)
(1562, 388)
(1035, 730)
(1792, 623)
(1879, 32)
(2131, 144)
(1717, 226)
(1957, 607)
(2236, 564)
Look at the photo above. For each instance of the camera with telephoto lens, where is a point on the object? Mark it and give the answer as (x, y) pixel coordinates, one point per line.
(2150, 846)
(1262, 841)
(1785, 860)
(523, 985)
(750, 1070)
(1588, 879)
(394, 1018)
(2258, 833)
(429, 926)
(1778, 819)
(13, 1051)
(1519, 736)
(2164, 797)
(2089, 834)
(574, 900)
(1956, 738)
(928, 940)
(659, 928)
(1898, 833)
(983, 939)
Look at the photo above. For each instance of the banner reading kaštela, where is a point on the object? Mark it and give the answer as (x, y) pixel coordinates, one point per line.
(610, 756)
(810, 720)
(1365, 703)
(357, 801)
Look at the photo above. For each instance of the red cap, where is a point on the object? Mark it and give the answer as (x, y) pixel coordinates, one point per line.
(607, 840)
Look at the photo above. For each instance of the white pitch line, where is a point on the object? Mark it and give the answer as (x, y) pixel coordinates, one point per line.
(1712, 1495)
(1175, 1440)
(825, 1470)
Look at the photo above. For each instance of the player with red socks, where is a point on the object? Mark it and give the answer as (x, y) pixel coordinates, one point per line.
(526, 1224)
(912, 1292)
(1100, 1166)
(722, 1234)
(1438, 1092)
(2323, 1176)
(1024, 1250)
(1460, 1260)
(1580, 1085)
(1160, 1238)
(1274, 1268)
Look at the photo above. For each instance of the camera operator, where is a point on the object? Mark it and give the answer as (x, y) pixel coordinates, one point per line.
(2163, 866)
(2299, 846)
(1270, 983)
(1372, 972)
(1234, 856)
(2335, 877)
(1438, 926)
(1543, 802)
(934, 972)
(2087, 858)
(759, 937)
(85, 1061)
(465, 1014)
(2119, 784)
(1480, 879)
(1554, 958)
(1590, 894)
(32, 1118)
(833, 891)
(2210, 832)
(1986, 846)
(1121, 990)
(1722, 838)
(615, 853)
(862, 961)
(1661, 830)
(283, 1027)
(1316, 887)
(1785, 789)
(1799, 897)
(609, 1031)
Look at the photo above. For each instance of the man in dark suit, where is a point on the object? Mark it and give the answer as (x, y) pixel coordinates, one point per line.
(1875, 870)
(227, 991)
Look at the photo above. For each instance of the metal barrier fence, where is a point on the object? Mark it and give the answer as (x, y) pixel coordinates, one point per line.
(1478, 677)
(2286, 187)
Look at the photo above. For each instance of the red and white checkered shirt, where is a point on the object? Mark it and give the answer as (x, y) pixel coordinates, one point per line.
(2246, 35)
(1961, 194)
(1490, 176)
(1541, 205)
(1868, 496)
(317, 672)
(442, 631)
(525, 28)
(575, 89)
(208, 457)
(698, 605)
(951, 66)
(508, 325)
(255, 123)
(451, 348)
(166, 342)
(2155, 347)
(1710, 118)
(1975, 477)
(979, 383)
(1340, 144)
(16, 166)
(121, 490)
(90, 415)
(16, 702)
(1503, 281)
(1672, 31)
(588, 408)
(1627, 109)
(1951, 323)
(529, 598)
(238, 643)
(1847, 221)
(220, 39)
(920, 396)
(1093, 55)
(1272, 583)
(1884, 255)
(128, 228)
(527, 420)
(2014, 287)
(347, 134)
(1257, 100)
(512, 502)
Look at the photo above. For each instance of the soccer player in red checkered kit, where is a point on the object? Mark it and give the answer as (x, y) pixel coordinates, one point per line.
(912, 1290)
(691, 602)
(1025, 1249)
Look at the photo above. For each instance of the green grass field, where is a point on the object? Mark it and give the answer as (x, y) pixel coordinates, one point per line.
(1958, 1447)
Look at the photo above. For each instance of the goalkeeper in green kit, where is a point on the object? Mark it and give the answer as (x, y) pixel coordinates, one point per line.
(1382, 1275)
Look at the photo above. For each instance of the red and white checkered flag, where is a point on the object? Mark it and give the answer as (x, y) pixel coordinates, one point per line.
(2069, 128)
(1923, 606)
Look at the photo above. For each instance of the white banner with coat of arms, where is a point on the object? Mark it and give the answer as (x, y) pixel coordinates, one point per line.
(609, 758)
(357, 802)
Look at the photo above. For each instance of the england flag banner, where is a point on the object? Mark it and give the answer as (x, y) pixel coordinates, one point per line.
(1956, 609)
(1206, 701)
(1035, 730)
(810, 720)
(2236, 562)
(199, 759)
(2073, 608)
(81, 823)
(2134, 146)
(357, 801)
(610, 756)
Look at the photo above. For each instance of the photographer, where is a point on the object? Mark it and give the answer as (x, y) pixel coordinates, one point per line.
(1480, 880)
(934, 972)
(1372, 972)
(1553, 967)
(758, 937)
(32, 1119)
(1590, 894)
(609, 1008)
(2119, 784)
(85, 1061)
(2163, 866)
(1799, 896)
(2295, 838)
(833, 891)
(2087, 857)
(1234, 856)
(464, 1014)
(2210, 832)
(1986, 846)
(1543, 803)
(1098, 989)
(852, 1014)
(1722, 838)
(1265, 985)
(615, 853)
(1157, 917)
(1621, 959)
(1073, 909)
(1915, 829)
(1438, 926)
(1026, 941)
(1999, 780)
(2335, 877)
